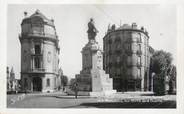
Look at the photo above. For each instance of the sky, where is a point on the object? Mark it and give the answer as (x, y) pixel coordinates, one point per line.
(71, 26)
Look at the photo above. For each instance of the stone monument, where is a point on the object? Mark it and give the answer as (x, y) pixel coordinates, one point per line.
(92, 77)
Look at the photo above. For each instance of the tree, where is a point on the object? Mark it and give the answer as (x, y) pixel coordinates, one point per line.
(72, 83)
(172, 79)
(64, 80)
(160, 64)
(161, 61)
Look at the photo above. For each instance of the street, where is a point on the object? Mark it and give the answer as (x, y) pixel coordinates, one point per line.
(58, 100)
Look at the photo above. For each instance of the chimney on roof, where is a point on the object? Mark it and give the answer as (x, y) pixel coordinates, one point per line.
(52, 20)
(7, 69)
(25, 14)
(109, 28)
(113, 27)
(134, 25)
(142, 28)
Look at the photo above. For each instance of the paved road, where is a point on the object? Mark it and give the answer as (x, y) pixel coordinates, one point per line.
(63, 101)
(52, 102)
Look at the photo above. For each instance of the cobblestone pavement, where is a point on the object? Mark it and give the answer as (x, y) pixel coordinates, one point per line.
(118, 100)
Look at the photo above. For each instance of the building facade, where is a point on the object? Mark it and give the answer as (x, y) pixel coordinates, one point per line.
(39, 54)
(127, 58)
(12, 82)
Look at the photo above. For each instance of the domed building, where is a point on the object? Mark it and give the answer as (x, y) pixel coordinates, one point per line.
(127, 57)
(39, 54)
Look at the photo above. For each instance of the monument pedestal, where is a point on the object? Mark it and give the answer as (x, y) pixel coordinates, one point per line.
(93, 78)
(101, 83)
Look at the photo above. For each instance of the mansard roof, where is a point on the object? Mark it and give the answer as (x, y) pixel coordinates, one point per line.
(38, 14)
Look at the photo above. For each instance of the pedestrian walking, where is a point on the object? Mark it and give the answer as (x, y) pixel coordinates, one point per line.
(76, 89)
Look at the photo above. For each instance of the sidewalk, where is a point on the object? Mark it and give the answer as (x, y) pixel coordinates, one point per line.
(138, 97)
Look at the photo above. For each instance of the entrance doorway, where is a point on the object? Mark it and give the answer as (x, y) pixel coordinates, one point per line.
(37, 84)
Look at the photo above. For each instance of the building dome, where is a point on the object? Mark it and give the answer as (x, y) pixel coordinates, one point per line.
(39, 14)
(38, 25)
(42, 18)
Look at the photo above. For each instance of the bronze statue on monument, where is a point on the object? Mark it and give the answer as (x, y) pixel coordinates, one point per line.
(92, 31)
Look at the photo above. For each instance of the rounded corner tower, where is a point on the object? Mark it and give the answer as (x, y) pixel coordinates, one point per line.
(39, 54)
(127, 58)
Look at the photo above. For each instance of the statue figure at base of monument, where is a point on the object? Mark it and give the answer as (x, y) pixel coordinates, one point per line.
(92, 31)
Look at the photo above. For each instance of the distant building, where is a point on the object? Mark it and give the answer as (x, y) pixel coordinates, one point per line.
(39, 54)
(12, 82)
(60, 81)
(127, 57)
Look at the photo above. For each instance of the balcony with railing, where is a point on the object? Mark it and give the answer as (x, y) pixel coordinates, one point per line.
(38, 70)
(37, 35)
(37, 63)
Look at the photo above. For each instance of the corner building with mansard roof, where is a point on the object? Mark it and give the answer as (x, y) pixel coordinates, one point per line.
(39, 54)
(127, 57)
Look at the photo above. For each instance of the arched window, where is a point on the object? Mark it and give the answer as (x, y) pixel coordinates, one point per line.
(37, 25)
(37, 49)
(139, 38)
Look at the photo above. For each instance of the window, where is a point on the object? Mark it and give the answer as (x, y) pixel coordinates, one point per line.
(118, 39)
(37, 49)
(135, 36)
(25, 82)
(139, 61)
(129, 60)
(37, 28)
(110, 41)
(48, 82)
(118, 59)
(119, 45)
(139, 72)
(26, 28)
(118, 72)
(139, 47)
(37, 62)
(139, 39)
(128, 47)
(54, 81)
(129, 71)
